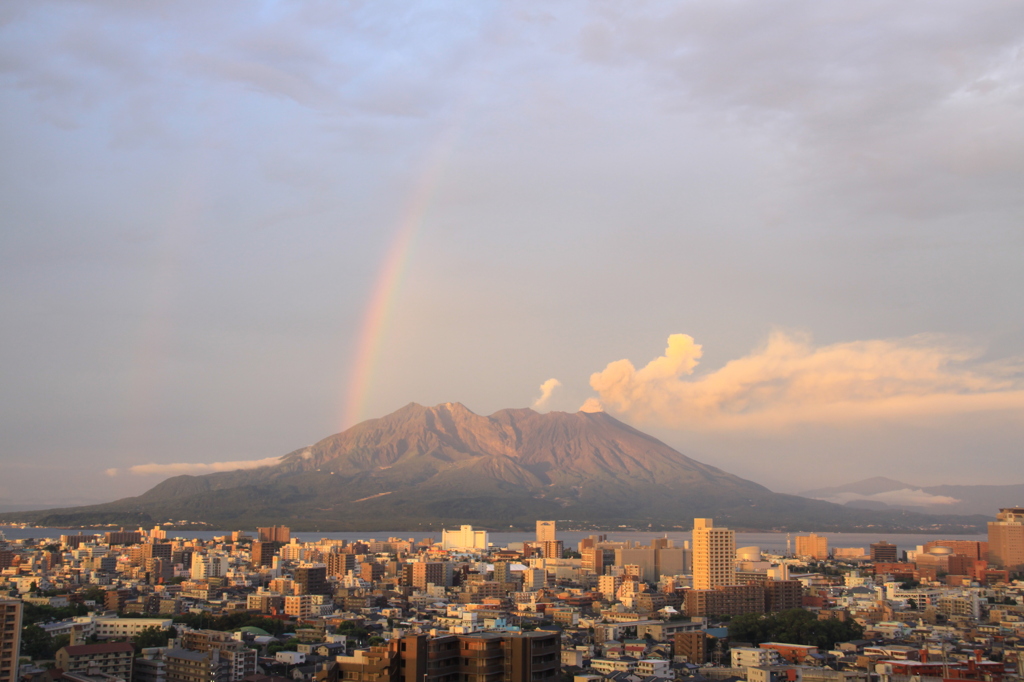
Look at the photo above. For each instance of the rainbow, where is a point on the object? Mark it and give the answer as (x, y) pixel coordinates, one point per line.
(387, 287)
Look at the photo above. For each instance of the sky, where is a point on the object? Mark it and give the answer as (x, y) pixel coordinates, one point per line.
(786, 238)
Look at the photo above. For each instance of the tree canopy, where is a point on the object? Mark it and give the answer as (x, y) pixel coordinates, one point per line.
(231, 621)
(795, 626)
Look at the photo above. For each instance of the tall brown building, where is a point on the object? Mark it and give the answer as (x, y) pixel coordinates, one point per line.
(311, 579)
(754, 597)
(812, 546)
(782, 595)
(340, 564)
(263, 552)
(725, 600)
(281, 534)
(371, 571)
(884, 552)
(1006, 539)
(234, 657)
(10, 639)
(480, 657)
(553, 549)
(185, 665)
(431, 572)
(691, 645)
(597, 559)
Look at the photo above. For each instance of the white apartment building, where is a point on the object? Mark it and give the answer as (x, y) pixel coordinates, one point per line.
(714, 555)
(749, 657)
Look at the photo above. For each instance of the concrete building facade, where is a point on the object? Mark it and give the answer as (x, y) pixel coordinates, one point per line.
(714, 555)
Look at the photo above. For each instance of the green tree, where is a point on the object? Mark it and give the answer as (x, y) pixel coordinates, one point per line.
(795, 626)
(36, 643)
(151, 637)
(94, 593)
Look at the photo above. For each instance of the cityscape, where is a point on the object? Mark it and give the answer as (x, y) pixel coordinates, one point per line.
(145, 606)
(484, 341)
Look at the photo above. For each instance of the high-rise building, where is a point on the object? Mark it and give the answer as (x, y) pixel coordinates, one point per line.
(883, 552)
(714, 555)
(1006, 539)
(10, 639)
(311, 579)
(477, 657)
(263, 552)
(812, 546)
(608, 585)
(431, 572)
(281, 534)
(340, 564)
(553, 549)
(465, 538)
(692, 646)
(545, 531)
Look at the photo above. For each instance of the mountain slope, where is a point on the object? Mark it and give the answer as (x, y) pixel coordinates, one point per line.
(423, 467)
(884, 493)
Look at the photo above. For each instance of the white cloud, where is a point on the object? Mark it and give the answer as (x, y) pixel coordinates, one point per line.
(789, 381)
(545, 391)
(592, 405)
(179, 468)
(111, 472)
(906, 496)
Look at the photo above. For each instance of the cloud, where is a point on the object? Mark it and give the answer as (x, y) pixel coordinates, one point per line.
(111, 472)
(904, 497)
(179, 468)
(789, 381)
(592, 405)
(545, 391)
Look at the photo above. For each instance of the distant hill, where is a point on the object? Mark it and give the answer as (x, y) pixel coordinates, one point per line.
(886, 494)
(424, 467)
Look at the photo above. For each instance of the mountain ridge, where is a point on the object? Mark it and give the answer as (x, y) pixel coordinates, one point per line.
(429, 466)
(883, 493)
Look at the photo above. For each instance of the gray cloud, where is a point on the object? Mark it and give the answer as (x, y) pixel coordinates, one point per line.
(198, 198)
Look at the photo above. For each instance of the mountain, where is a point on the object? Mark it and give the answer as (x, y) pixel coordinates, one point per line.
(886, 494)
(423, 467)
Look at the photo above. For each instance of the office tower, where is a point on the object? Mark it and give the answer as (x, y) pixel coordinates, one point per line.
(340, 564)
(10, 639)
(432, 573)
(1006, 539)
(545, 531)
(883, 552)
(552, 549)
(263, 552)
(812, 546)
(714, 555)
(281, 534)
(311, 579)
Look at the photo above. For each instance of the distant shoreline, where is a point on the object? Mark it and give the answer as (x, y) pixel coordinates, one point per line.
(772, 542)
